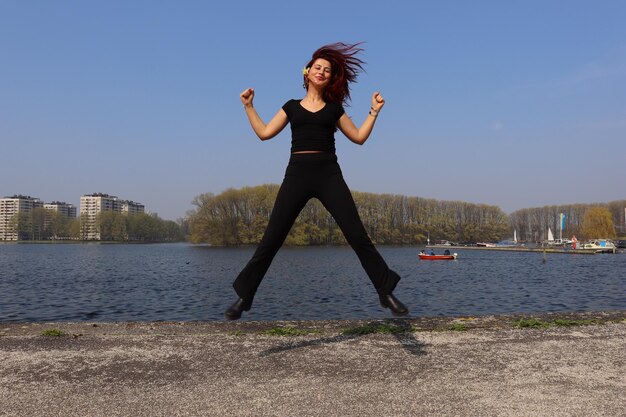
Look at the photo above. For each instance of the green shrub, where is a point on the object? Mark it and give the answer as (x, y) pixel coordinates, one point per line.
(531, 323)
(53, 333)
(458, 327)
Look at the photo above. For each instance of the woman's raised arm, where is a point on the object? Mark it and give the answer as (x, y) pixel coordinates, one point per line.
(360, 135)
(262, 130)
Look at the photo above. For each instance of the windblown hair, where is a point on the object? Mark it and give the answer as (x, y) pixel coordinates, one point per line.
(345, 67)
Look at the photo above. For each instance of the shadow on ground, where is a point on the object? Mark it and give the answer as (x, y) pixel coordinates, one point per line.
(400, 329)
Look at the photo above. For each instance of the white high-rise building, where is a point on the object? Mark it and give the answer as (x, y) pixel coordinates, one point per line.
(92, 204)
(10, 208)
(67, 210)
(130, 207)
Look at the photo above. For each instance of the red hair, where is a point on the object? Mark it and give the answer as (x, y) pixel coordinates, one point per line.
(345, 67)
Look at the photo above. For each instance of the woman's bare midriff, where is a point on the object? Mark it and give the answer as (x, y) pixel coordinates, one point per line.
(293, 153)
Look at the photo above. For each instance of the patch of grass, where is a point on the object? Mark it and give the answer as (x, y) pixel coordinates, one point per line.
(458, 327)
(286, 331)
(531, 323)
(537, 323)
(568, 322)
(373, 328)
(236, 333)
(53, 333)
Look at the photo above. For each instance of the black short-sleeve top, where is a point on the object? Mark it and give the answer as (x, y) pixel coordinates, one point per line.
(313, 131)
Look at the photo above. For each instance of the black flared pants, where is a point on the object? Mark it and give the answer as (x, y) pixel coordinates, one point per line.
(315, 175)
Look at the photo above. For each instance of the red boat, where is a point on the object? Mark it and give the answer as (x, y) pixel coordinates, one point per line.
(437, 257)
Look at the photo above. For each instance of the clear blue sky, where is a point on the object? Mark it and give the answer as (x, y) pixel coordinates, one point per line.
(517, 104)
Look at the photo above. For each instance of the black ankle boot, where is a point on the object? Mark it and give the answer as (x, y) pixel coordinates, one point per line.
(234, 311)
(392, 303)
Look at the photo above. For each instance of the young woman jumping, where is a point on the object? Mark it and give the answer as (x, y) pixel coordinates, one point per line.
(313, 171)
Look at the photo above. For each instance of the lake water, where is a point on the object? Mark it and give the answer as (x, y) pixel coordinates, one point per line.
(182, 282)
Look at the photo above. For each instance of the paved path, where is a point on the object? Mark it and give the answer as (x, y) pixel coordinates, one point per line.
(328, 368)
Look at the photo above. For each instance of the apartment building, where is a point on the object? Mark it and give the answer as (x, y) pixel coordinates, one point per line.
(67, 210)
(130, 207)
(92, 204)
(10, 209)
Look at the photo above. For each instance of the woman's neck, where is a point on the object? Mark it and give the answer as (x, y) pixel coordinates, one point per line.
(314, 96)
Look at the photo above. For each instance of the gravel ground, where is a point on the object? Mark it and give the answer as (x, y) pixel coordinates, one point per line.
(563, 365)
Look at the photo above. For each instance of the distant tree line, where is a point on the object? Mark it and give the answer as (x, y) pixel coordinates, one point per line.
(114, 226)
(239, 217)
(42, 224)
(585, 221)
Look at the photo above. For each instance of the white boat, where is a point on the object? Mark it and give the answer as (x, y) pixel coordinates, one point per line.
(599, 246)
(509, 243)
(557, 242)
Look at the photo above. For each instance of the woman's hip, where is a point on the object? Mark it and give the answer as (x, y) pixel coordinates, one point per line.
(313, 165)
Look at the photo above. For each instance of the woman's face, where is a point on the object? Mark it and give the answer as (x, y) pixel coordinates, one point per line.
(320, 73)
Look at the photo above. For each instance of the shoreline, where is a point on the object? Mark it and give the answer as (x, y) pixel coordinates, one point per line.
(395, 325)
